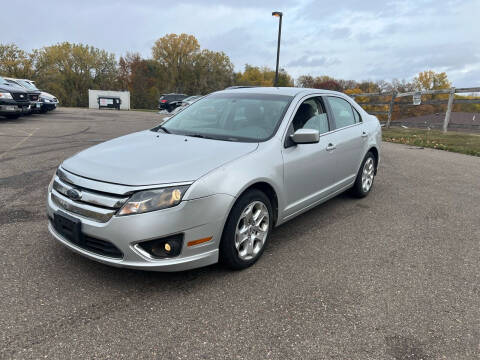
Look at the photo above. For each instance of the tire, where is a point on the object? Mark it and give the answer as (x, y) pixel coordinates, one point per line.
(239, 251)
(363, 184)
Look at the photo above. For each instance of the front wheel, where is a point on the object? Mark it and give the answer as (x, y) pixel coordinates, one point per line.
(366, 175)
(246, 231)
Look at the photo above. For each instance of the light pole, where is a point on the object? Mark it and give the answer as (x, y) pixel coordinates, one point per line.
(279, 15)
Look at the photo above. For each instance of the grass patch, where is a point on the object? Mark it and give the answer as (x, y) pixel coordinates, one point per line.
(452, 141)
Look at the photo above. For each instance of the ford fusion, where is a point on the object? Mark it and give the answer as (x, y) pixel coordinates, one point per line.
(210, 183)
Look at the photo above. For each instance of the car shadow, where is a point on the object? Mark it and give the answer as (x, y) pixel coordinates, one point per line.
(139, 279)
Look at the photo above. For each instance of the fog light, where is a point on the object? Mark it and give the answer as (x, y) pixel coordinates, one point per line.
(167, 247)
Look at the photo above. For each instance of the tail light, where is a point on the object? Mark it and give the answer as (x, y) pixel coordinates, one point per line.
(163, 101)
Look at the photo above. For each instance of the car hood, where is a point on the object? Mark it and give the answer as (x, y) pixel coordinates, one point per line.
(46, 95)
(150, 158)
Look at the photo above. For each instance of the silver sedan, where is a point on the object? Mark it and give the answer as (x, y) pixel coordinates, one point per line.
(211, 182)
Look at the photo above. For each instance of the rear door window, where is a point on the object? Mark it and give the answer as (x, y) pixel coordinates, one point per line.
(357, 116)
(342, 112)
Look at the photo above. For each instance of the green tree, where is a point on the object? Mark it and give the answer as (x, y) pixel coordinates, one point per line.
(14, 62)
(177, 53)
(306, 81)
(143, 78)
(262, 76)
(69, 70)
(430, 80)
(211, 71)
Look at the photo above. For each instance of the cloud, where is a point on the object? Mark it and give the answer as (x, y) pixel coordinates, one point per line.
(320, 61)
(341, 33)
(375, 39)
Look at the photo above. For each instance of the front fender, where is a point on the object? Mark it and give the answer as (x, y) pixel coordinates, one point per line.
(235, 177)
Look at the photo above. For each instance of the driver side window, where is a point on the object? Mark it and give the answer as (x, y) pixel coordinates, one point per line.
(311, 114)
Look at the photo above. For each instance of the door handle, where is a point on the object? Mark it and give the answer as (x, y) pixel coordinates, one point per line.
(364, 134)
(330, 147)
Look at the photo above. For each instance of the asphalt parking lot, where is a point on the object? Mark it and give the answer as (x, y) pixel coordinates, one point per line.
(392, 276)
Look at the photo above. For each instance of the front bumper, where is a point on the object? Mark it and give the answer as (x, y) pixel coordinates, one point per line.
(8, 107)
(48, 106)
(196, 219)
(36, 106)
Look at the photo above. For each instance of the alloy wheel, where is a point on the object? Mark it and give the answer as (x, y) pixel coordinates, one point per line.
(252, 230)
(367, 174)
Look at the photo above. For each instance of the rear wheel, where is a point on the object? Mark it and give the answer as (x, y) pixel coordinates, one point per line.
(246, 231)
(366, 175)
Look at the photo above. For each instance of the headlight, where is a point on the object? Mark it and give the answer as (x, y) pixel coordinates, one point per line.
(50, 185)
(45, 100)
(150, 200)
(5, 95)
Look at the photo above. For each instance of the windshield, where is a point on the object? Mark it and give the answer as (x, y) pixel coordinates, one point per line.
(27, 84)
(230, 116)
(3, 81)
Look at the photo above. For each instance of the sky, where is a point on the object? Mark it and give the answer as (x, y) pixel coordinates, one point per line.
(347, 39)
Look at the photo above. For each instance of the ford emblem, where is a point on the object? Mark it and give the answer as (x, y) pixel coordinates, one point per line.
(74, 194)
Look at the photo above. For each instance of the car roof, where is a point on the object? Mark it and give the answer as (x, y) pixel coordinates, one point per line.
(15, 79)
(289, 91)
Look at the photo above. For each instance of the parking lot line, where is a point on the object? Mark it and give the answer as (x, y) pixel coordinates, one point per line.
(19, 143)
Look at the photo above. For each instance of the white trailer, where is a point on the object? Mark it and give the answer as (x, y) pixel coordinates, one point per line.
(93, 96)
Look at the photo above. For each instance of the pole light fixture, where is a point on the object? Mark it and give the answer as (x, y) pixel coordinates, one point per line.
(279, 15)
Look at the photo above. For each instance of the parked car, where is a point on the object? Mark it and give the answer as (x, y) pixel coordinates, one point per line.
(33, 93)
(13, 100)
(170, 101)
(212, 181)
(185, 103)
(48, 102)
(190, 100)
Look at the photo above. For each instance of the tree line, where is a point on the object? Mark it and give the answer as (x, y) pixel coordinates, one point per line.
(403, 108)
(177, 64)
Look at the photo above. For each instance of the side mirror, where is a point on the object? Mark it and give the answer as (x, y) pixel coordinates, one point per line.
(305, 136)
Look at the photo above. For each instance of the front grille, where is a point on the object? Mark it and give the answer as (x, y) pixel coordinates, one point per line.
(20, 96)
(101, 247)
(91, 204)
(33, 97)
(97, 246)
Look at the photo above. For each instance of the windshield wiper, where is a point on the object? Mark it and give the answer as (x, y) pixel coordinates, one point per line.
(199, 136)
(220, 138)
(165, 130)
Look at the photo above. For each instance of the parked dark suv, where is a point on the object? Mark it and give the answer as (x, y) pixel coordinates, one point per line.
(170, 101)
(13, 100)
(33, 93)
